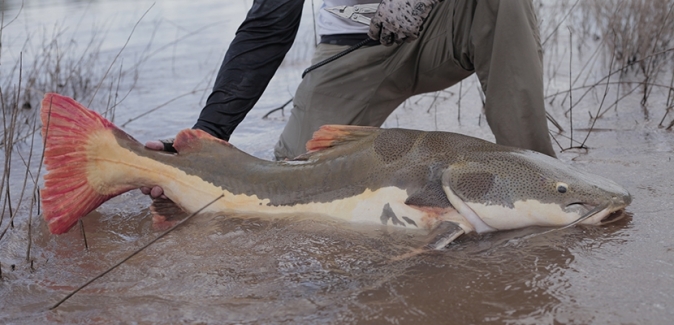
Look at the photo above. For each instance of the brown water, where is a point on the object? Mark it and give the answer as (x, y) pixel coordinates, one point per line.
(219, 269)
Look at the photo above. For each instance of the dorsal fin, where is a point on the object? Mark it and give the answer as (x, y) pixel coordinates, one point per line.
(191, 140)
(329, 136)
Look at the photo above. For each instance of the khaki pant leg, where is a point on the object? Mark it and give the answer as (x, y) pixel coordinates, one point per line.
(506, 52)
(499, 39)
(365, 86)
(337, 93)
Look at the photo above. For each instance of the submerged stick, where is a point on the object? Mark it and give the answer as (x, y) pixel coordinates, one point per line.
(134, 253)
(30, 228)
(84, 235)
(570, 85)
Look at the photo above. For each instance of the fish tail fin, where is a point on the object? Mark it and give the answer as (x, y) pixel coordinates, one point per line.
(70, 131)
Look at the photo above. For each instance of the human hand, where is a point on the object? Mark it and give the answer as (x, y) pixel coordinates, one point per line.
(159, 145)
(397, 21)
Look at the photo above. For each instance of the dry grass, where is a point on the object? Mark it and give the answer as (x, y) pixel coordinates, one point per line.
(638, 33)
(51, 62)
(625, 49)
(634, 31)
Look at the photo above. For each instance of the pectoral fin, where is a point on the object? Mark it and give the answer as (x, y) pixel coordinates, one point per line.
(443, 234)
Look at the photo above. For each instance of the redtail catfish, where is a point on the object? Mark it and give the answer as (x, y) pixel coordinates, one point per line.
(446, 183)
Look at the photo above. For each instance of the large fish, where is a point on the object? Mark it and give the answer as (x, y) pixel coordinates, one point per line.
(446, 183)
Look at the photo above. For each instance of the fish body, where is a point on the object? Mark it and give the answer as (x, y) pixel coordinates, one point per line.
(397, 177)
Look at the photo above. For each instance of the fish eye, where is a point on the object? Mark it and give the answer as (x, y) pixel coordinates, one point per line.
(562, 187)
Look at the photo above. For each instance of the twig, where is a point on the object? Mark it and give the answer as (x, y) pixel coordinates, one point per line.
(277, 109)
(557, 142)
(118, 54)
(36, 190)
(160, 106)
(670, 100)
(671, 125)
(458, 103)
(10, 148)
(570, 85)
(669, 87)
(554, 122)
(435, 98)
(567, 137)
(32, 203)
(594, 120)
(313, 11)
(2, 25)
(618, 100)
(664, 116)
(650, 67)
(84, 235)
(617, 71)
(560, 23)
(134, 253)
(27, 163)
(30, 226)
(162, 48)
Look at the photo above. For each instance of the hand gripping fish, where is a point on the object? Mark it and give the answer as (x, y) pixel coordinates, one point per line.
(446, 183)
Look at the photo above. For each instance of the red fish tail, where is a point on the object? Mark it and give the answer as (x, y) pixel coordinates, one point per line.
(69, 131)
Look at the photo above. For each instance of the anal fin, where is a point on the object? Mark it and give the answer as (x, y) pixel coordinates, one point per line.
(165, 213)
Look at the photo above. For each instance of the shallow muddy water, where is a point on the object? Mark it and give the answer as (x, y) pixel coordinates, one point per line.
(224, 269)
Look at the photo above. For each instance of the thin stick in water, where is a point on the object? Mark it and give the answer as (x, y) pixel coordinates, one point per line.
(30, 227)
(84, 235)
(135, 253)
(570, 85)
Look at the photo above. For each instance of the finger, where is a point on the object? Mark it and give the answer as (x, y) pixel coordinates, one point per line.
(156, 192)
(154, 145)
(386, 38)
(375, 30)
(401, 38)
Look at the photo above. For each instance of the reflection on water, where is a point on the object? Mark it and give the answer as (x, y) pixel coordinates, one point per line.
(252, 270)
(217, 269)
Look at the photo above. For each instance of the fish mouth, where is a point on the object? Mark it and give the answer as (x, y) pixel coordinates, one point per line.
(601, 214)
(613, 217)
(598, 215)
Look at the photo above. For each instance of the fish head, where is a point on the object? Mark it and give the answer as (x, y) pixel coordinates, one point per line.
(502, 190)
